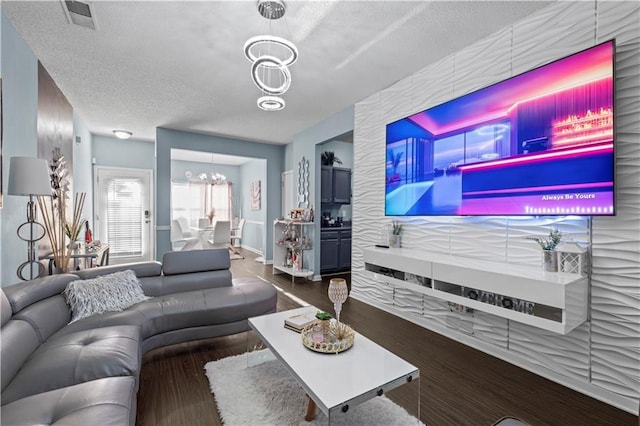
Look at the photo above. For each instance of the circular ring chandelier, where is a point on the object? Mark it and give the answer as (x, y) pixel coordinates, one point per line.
(273, 63)
(271, 103)
(271, 57)
(266, 41)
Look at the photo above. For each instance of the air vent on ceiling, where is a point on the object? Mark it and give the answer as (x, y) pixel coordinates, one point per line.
(79, 13)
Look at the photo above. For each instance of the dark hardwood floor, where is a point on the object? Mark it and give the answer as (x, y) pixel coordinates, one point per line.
(459, 385)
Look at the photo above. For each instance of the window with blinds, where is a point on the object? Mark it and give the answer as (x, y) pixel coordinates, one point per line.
(194, 200)
(124, 219)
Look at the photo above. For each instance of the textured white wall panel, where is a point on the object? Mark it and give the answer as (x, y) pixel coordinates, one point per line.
(483, 63)
(615, 288)
(522, 250)
(435, 311)
(407, 300)
(492, 329)
(604, 354)
(433, 85)
(565, 355)
(427, 235)
(460, 321)
(554, 32)
(480, 237)
(619, 20)
(390, 108)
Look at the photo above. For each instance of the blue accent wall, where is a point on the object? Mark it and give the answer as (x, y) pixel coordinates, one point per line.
(305, 144)
(130, 153)
(166, 139)
(20, 113)
(82, 169)
(256, 226)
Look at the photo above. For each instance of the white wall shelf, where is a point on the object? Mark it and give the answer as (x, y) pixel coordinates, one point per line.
(553, 301)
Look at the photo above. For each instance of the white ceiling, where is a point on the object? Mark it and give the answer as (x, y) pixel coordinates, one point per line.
(180, 64)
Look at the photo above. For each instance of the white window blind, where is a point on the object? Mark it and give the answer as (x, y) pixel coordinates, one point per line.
(194, 200)
(221, 201)
(124, 216)
(187, 200)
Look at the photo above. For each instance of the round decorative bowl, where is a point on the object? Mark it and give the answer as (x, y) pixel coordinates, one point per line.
(338, 338)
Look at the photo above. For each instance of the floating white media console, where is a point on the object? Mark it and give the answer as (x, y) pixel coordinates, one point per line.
(554, 301)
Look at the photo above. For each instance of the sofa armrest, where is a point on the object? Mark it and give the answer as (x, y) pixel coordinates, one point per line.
(27, 293)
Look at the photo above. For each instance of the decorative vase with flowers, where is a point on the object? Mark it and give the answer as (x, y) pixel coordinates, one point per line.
(395, 238)
(549, 254)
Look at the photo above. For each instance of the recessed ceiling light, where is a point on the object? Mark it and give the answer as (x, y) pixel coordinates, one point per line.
(122, 134)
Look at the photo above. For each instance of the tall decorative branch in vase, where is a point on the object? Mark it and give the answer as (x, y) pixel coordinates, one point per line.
(55, 213)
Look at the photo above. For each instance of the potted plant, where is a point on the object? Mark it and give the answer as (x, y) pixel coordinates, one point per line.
(324, 319)
(328, 158)
(394, 158)
(396, 234)
(72, 232)
(548, 246)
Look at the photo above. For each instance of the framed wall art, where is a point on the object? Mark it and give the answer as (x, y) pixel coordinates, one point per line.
(254, 195)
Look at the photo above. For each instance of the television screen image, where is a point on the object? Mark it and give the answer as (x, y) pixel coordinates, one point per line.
(540, 143)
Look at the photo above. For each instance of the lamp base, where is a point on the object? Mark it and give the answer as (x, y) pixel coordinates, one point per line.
(34, 268)
(31, 231)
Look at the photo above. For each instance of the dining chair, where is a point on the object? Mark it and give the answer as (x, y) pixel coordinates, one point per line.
(221, 234)
(178, 241)
(236, 233)
(184, 226)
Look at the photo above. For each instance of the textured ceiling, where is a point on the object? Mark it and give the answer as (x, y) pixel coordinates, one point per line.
(181, 64)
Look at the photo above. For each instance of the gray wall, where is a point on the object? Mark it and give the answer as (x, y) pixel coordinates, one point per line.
(600, 357)
(166, 139)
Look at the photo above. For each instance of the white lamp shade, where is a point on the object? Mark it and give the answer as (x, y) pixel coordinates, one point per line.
(29, 176)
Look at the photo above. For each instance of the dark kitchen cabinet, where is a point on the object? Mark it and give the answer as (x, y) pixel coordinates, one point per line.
(326, 187)
(329, 255)
(335, 185)
(345, 253)
(335, 250)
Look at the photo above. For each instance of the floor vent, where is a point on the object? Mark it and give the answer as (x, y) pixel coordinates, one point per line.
(79, 13)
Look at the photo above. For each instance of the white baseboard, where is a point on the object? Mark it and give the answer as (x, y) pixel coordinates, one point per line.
(251, 249)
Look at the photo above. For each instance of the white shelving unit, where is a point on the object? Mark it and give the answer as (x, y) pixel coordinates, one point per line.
(291, 236)
(554, 301)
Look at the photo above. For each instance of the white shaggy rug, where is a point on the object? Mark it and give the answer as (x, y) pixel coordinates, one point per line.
(267, 394)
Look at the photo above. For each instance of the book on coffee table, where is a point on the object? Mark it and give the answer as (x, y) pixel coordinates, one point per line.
(299, 321)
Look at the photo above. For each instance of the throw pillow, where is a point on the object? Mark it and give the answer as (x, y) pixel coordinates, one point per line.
(107, 293)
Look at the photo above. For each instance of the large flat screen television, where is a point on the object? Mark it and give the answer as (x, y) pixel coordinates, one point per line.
(540, 143)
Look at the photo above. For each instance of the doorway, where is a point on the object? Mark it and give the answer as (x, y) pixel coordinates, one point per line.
(123, 217)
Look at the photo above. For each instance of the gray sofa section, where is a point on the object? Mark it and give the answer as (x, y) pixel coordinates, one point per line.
(53, 372)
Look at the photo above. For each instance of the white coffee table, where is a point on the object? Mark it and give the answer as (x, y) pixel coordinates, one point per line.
(334, 382)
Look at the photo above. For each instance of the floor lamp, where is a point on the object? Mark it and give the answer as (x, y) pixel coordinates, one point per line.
(30, 176)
